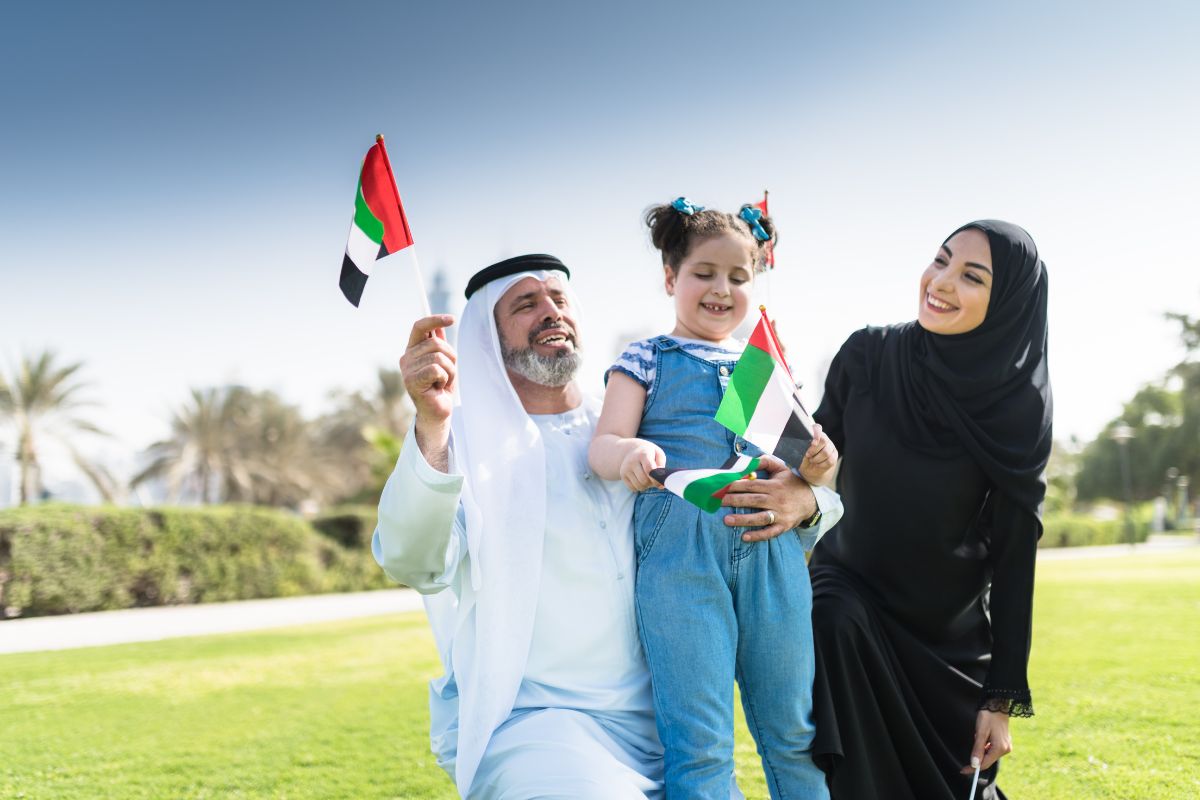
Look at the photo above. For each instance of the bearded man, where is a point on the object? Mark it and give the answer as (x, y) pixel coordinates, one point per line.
(525, 557)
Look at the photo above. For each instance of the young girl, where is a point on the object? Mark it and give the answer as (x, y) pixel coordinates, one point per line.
(711, 605)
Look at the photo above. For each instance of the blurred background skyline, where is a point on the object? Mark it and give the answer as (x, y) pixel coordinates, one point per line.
(176, 180)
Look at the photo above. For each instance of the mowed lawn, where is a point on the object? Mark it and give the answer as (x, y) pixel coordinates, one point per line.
(339, 710)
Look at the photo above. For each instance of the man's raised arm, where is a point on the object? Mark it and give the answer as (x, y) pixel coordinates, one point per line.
(419, 539)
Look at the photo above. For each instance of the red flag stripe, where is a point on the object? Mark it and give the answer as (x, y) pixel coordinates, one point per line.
(379, 190)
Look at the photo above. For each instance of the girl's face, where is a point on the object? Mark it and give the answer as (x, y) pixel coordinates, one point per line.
(712, 288)
(956, 287)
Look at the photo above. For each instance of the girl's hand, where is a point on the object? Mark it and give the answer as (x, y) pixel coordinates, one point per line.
(821, 459)
(992, 740)
(642, 457)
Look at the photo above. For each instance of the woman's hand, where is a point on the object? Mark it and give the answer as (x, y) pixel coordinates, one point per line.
(784, 500)
(641, 457)
(992, 740)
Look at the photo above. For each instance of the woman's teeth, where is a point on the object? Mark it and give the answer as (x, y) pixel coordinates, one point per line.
(939, 304)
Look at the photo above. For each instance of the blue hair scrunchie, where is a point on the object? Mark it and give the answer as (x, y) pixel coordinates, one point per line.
(751, 216)
(685, 206)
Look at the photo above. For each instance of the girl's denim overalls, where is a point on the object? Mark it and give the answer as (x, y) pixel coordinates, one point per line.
(712, 608)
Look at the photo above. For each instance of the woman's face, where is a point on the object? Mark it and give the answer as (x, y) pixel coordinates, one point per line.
(956, 287)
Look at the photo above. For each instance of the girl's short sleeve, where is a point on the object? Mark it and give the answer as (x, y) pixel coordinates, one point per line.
(637, 361)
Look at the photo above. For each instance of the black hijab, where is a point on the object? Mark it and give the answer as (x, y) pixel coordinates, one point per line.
(986, 391)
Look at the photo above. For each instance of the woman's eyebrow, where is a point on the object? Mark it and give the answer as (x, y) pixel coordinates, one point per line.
(949, 252)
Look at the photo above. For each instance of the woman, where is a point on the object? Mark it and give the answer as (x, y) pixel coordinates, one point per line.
(923, 595)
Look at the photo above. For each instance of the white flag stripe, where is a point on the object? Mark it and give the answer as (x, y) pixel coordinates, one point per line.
(772, 413)
(361, 249)
(678, 481)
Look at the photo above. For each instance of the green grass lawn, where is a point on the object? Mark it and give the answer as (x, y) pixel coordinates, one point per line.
(339, 710)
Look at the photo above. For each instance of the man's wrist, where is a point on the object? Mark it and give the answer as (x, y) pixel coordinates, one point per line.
(813, 519)
(433, 440)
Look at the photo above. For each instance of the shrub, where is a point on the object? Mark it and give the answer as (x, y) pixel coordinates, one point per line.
(1077, 530)
(349, 526)
(57, 559)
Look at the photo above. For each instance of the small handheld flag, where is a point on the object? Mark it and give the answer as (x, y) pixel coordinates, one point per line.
(761, 405)
(705, 487)
(379, 227)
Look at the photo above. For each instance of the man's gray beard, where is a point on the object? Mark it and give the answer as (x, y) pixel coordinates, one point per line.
(556, 370)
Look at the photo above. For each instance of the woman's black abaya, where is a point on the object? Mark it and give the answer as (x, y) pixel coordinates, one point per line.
(923, 593)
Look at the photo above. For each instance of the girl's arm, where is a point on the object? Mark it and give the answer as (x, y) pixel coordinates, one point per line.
(615, 452)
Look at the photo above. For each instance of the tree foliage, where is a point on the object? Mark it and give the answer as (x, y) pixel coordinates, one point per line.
(44, 399)
(1165, 421)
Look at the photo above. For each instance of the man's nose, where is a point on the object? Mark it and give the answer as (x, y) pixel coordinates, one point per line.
(549, 309)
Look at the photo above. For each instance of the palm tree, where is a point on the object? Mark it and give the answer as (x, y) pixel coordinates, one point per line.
(42, 400)
(232, 444)
(359, 440)
(197, 454)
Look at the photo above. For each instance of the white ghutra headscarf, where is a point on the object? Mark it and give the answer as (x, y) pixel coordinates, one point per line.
(500, 451)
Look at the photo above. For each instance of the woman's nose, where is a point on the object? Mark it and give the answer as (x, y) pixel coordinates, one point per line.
(941, 283)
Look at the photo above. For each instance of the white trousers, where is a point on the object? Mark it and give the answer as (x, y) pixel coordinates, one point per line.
(559, 753)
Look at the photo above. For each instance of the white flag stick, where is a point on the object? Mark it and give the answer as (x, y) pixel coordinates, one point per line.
(974, 784)
(425, 312)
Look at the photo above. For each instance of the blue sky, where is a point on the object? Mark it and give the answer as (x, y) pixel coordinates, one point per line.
(176, 179)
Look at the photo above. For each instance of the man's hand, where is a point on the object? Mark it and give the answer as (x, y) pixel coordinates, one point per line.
(429, 368)
(821, 459)
(640, 458)
(784, 499)
(992, 740)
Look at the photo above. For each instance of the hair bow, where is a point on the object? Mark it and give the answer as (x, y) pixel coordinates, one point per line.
(751, 216)
(685, 206)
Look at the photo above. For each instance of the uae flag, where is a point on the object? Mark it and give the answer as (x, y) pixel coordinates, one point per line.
(705, 487)
(379, 227)
(761, 405)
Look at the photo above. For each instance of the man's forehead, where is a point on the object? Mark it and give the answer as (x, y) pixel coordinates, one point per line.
(532, 287)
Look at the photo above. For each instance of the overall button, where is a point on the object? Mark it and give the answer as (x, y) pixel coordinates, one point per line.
(724, 370)
(738, 446)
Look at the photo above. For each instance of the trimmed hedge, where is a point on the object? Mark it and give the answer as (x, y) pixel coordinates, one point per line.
(1078, 530)
(349, 526)
(59, 559)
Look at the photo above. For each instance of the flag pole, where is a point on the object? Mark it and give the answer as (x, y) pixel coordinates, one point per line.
(770, 326)
(396, 190)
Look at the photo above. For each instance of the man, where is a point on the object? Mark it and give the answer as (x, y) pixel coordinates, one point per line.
(545, 691)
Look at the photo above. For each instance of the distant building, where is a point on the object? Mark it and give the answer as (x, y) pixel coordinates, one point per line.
(440, 301)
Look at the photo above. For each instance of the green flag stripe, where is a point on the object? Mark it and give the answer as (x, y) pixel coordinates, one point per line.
(750, 377)
(700, 492)
(367, 222)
